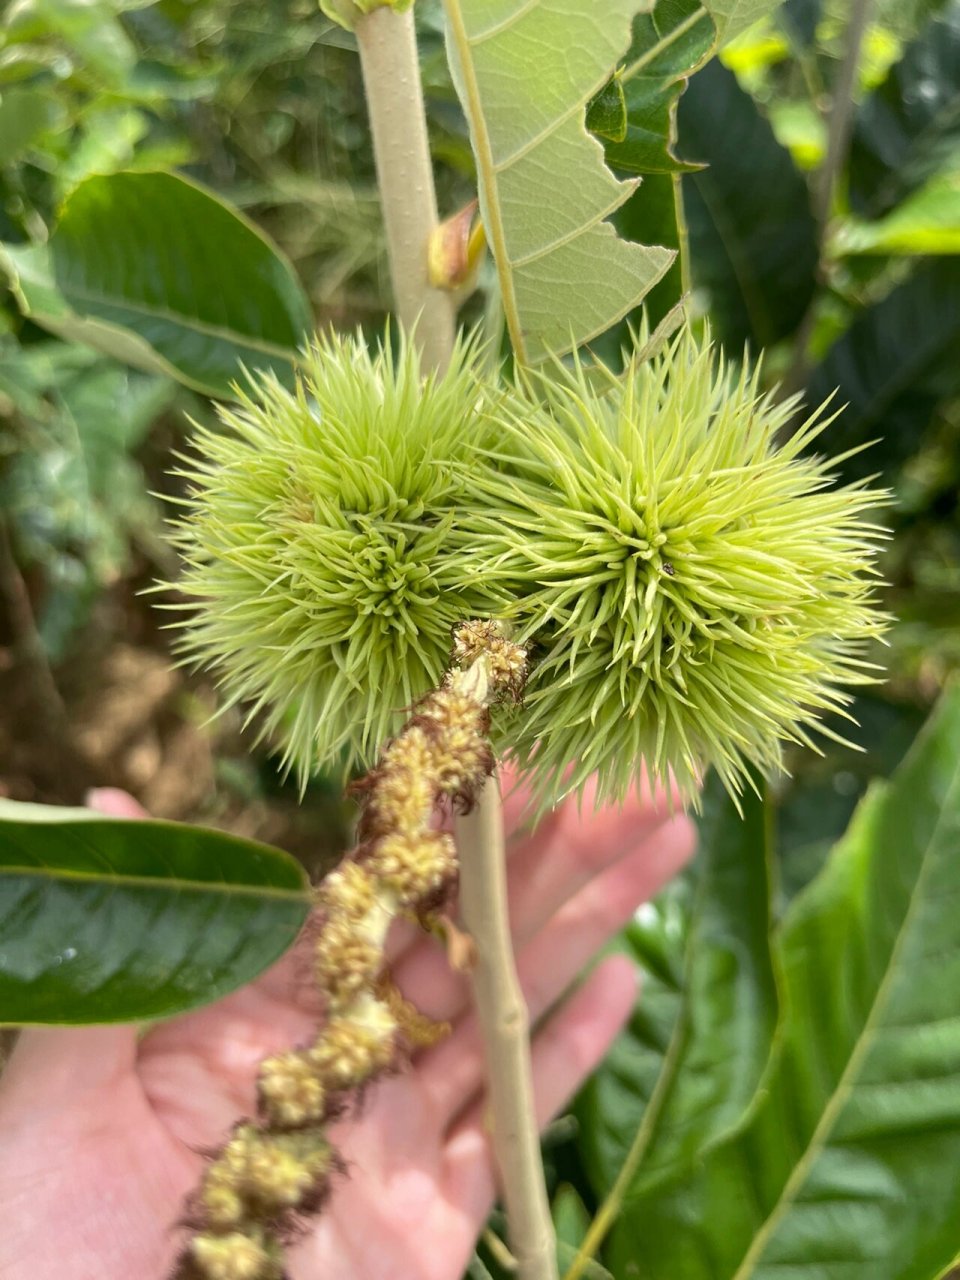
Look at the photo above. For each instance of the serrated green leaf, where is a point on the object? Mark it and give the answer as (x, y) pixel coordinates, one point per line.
(753, 238)
(651, 216)
(667, 45)
(849, 1164)
(894, 364)
(544, 190)
(910, 125)
(106, 920)
(156, 271)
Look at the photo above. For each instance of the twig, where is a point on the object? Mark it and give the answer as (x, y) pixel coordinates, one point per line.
(505, 1028)
(28, 646)
(65, 769)
(841, 114)
(838, 142)
(391, 78)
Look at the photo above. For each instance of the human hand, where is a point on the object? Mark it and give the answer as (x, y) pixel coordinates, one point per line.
(100, 1131)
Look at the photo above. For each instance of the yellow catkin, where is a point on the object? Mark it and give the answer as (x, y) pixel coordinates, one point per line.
(354, 1046)
(415, 865)
(281, 1169)
(290, 1092)
(274, 1170)
(349, 892)
(345, 963)
(405, 792)
(234, 1256)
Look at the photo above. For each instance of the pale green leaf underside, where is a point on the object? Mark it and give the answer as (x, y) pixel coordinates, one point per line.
(525, 70)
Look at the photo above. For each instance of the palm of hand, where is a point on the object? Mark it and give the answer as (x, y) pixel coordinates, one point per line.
(101, 1134)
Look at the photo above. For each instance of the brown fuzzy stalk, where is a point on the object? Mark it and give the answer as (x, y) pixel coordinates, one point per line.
(274, 1170)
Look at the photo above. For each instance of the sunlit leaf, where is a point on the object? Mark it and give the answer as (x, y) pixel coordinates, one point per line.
(545, 191)
(154, 270)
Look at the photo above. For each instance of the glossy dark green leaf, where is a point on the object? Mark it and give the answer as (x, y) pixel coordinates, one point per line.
(105, 920)
(848, 1164)
(909, 125)
(687, 1069)
(152, 269)
(668, 43)
(753, 239)
(894, 364)
(815, 805)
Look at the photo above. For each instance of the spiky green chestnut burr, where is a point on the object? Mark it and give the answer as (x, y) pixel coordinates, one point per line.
(323, 571)
(696, 594)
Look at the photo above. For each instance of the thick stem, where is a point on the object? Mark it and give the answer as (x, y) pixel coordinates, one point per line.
(391, 79)
(505, 1027)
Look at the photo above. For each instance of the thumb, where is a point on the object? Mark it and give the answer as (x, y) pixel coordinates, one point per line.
(50, 1064)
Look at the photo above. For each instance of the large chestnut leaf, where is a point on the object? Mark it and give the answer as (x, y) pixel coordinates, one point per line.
(112, 920)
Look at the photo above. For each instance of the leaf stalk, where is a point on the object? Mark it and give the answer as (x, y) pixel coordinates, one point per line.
(391, 78)
(505, 1028)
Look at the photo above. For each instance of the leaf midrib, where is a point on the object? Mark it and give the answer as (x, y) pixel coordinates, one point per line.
(864, 1043)
(175, 884)
(234, 337)
(488, 173)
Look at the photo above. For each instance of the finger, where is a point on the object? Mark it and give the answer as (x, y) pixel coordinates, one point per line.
(551, 866)
(564, 1052)
(115, 803)
(545, 876)
(200, 1069)
(50, 1064)
(453, 1071)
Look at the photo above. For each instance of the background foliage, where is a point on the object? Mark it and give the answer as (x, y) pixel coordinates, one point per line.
(786, 1094)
